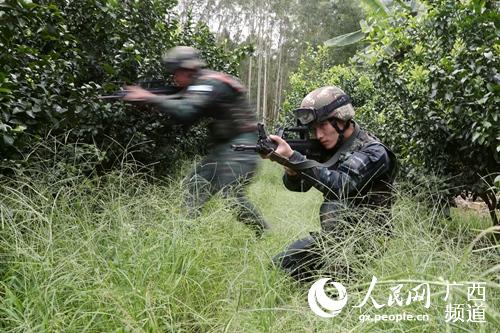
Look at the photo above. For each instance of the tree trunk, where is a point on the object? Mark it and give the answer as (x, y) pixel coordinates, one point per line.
(280, 87)
(249, 84)
(259, 67)
(277, 85)
(490, 199)
(264, 94)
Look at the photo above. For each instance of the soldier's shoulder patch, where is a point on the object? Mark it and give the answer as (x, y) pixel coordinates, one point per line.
(200, 88)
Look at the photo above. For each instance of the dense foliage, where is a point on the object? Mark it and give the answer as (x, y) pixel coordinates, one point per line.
(59, 56)
(428, 85)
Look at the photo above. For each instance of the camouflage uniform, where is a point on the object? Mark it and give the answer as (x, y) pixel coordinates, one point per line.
(357, 183)
(361, 178)
(223, 100)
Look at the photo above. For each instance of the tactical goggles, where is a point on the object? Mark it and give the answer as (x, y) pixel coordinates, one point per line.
(308, 116)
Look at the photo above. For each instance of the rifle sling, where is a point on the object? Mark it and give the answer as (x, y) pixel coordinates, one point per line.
(307, 164)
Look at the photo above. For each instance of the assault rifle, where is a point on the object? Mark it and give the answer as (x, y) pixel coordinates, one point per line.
(298, 138)
(157, 87)
(311, 148)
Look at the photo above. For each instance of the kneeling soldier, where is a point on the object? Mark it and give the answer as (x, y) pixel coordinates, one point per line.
(356, 176)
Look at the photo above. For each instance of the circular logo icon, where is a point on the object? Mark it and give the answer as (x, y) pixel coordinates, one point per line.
(321, 304)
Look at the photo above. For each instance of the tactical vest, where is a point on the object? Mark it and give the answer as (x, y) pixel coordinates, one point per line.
(379, 191)
(232, 115)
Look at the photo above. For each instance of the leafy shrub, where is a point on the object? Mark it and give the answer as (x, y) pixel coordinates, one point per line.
(61, 55)
(427, 84)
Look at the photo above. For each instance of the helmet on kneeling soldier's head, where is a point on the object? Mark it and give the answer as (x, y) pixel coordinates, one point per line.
(325, 103)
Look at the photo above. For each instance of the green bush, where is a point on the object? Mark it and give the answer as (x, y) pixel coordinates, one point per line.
(427, 84)
(61, 55)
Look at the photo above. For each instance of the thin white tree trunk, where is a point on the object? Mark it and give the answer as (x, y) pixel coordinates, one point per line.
(259, 68)
(277, 82)
(264, 93)
(249, 84)
(280, 88)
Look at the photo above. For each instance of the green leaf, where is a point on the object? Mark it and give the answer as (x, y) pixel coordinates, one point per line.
(479, 6)
(8, 140)
(19, 128)
(4, 127)
(486, 124)
(482, 100)
(378, 7)
(347, 39)
(404, 5)
(109, 69)
(365, 27)
(4, 5)
(5, 90)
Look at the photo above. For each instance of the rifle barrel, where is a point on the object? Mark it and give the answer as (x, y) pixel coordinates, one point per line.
(244, 148)
(170, 91)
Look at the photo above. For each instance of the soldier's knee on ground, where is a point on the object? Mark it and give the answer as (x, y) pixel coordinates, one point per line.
(335, 217)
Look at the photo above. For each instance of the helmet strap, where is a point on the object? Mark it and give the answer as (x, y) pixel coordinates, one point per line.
(335, 125)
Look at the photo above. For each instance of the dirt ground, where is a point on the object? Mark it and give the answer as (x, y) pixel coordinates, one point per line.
(479, 206)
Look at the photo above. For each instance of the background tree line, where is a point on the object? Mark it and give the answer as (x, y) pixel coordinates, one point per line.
(280, 32)
(59, 56)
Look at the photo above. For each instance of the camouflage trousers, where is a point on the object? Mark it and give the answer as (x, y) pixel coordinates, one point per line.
(227, 172)
(345, 229)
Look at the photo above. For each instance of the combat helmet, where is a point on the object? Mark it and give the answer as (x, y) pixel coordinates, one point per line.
(325, 103)
(182, 57)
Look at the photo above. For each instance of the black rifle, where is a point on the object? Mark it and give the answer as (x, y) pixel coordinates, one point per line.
(298, 138)
(157, 87)
(311, 148)
(264, 144)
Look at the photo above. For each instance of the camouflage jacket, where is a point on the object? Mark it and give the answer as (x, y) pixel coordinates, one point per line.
(363, 174)
(216, 96)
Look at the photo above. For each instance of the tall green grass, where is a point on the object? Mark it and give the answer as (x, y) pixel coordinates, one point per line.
(117, 253)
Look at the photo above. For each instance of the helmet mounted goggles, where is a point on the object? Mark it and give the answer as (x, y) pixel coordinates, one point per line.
(309, 116)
